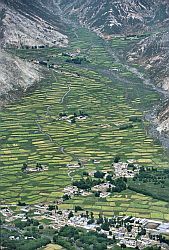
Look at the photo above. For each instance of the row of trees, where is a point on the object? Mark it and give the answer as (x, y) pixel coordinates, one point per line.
(77, 60)
(87, 183)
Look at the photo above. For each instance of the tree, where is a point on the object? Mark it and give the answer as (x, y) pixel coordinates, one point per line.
(91, 215)
(99, 174)
(116, 159)
(35, 222)
(129, 228)
(105, 226)
(78, 208)
(123, 245)
(97, 193)
(66, 197)
(24, 167)
(100, 219)
(51, 207)
(73, 120)
(142, 232)
(79, 163)
(85, 173)
(39, 166)
(70, 215)
(20, 203)
(87, 214)
(86, 246)
(100, 246)
(1, 221)
(108, 177)
(91, 221)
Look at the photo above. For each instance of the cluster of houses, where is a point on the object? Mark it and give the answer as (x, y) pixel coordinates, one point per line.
(102, 189)
(129, 239)
(74, 191)
(70, 118)
(59, 218)
(121, 169)
(46, 64)
(39, 168)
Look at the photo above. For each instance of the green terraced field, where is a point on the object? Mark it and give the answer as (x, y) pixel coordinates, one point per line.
(125, 203)
(30, 130)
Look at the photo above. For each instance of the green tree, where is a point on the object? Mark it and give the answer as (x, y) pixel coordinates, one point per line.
(70, 214)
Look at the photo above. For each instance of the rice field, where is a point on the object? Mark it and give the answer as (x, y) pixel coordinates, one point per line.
(31, 132)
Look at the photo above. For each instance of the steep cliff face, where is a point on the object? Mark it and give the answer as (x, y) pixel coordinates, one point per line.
(163, 119)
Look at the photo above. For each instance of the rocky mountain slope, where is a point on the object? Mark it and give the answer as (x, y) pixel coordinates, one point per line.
(28, 23)
(163, 119)
(117, 16)
(16, 76)
(25, 24)
(153, 54)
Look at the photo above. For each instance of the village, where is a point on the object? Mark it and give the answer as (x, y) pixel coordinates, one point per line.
(128, 231)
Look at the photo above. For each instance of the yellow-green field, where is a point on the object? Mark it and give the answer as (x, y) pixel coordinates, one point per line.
(31, 132)
(125, 203)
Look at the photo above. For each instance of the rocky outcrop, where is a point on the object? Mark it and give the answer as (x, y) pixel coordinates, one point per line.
(16, 76)
(152, 52)
(163, 119)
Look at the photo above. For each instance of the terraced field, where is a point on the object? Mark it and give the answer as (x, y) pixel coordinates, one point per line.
(126, 203)
(31, 131)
